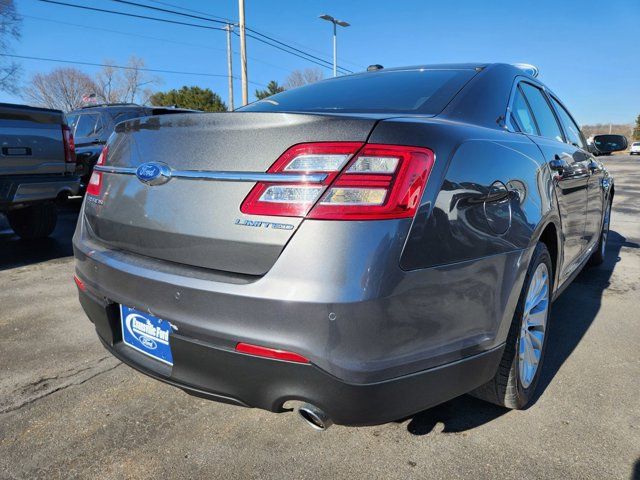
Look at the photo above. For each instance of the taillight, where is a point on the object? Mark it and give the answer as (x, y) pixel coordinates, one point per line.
(295, 199)
(374, 182)
(69, 145)
(95, 182)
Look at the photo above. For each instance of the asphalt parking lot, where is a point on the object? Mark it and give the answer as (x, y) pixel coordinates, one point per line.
(69, 410)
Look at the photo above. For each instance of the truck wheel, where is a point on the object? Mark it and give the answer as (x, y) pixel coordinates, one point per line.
(515, 382)
(597, 257)
(36, 221)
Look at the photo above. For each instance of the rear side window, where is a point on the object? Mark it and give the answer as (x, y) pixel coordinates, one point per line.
(86, 125)
(127, 115)
(570, 127)
(544, 116)
(71, 121)
(393, 91)
(520, 110)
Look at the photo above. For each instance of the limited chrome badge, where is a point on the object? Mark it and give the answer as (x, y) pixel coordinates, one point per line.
(153, 173)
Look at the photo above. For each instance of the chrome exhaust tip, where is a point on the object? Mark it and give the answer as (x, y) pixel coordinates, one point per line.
(315, 418)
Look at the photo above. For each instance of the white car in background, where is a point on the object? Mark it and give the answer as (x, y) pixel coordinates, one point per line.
(635, 148)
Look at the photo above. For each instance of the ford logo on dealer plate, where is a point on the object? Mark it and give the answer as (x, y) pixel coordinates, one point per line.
(153, 173)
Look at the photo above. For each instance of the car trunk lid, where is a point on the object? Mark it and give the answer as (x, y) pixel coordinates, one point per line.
(194, 221)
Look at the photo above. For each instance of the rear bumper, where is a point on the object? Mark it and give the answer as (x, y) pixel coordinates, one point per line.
(226, 376)
(382, 342)
(16, 190)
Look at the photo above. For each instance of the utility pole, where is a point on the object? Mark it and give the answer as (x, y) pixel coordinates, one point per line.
(243, 54)
(230, 65)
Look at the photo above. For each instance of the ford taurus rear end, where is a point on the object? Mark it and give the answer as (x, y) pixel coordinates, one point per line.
(272, 256)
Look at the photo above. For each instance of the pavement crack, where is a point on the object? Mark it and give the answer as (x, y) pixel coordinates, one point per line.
(33, 391)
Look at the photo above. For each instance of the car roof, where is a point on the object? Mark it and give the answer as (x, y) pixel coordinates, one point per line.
(109, 108)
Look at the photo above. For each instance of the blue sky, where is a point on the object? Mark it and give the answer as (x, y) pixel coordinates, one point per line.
(587, 51)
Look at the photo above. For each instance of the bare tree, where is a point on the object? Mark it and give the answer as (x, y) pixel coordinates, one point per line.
(298, 78)
(62, 88)
(10, 23)
(124, 85)
(107, 90)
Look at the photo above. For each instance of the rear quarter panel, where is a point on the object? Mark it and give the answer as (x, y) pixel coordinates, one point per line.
(488, 193)
(467, 252)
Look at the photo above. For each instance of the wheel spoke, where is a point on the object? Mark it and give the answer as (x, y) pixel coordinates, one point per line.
(537, 339)
(538, 317)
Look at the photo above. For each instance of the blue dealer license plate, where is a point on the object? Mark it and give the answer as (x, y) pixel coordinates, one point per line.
(146, 333)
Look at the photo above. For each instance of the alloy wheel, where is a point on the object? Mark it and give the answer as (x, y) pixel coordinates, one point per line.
(533, 326)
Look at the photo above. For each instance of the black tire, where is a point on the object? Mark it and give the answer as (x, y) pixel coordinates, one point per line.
(506, 388)
(36, 221)
(597, 257)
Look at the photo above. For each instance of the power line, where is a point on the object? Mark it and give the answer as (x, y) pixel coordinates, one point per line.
(198, 17)
(304, 56)
(313, 49)
(103, 10)
(176, 42)
(296, 49)
(123, 67)
(287, 51)
(179, 7)
(165, 10)
(189, 10)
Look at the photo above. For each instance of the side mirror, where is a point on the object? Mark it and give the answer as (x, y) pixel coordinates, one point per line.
(610, 143)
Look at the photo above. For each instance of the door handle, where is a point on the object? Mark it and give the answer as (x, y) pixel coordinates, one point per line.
(558, 164)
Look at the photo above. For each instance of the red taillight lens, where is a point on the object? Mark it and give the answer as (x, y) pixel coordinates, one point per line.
(374, 182)
(381, 182)
(296, 199)
(95, 182)
(266, 352)
(69, 145)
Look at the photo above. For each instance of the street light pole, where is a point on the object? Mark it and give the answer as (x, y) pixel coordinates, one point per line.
(243, 54)
(335, 22)
(335, 51)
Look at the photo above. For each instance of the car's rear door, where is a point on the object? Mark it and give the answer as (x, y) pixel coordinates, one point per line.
(595, 190)
(570, 166)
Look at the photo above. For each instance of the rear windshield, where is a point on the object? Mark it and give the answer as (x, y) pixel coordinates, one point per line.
(393, 91)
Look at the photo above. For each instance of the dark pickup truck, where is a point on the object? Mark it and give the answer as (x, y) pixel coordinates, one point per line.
(37, 167)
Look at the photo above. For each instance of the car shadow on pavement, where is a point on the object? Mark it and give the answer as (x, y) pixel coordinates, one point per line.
(571, 316)
(575, 310)
(15, 252)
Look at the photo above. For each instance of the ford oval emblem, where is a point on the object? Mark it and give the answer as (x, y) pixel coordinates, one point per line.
(153, 173)
(148, 342)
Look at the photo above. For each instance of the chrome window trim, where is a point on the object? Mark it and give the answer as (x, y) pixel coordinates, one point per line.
(546, 93)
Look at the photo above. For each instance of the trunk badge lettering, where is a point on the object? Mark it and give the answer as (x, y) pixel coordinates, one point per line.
(261, 224)
(153, 173)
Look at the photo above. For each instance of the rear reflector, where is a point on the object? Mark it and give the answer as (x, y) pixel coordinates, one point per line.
(79, 283)
(266, 352)
(363, 182)
(95, 182)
